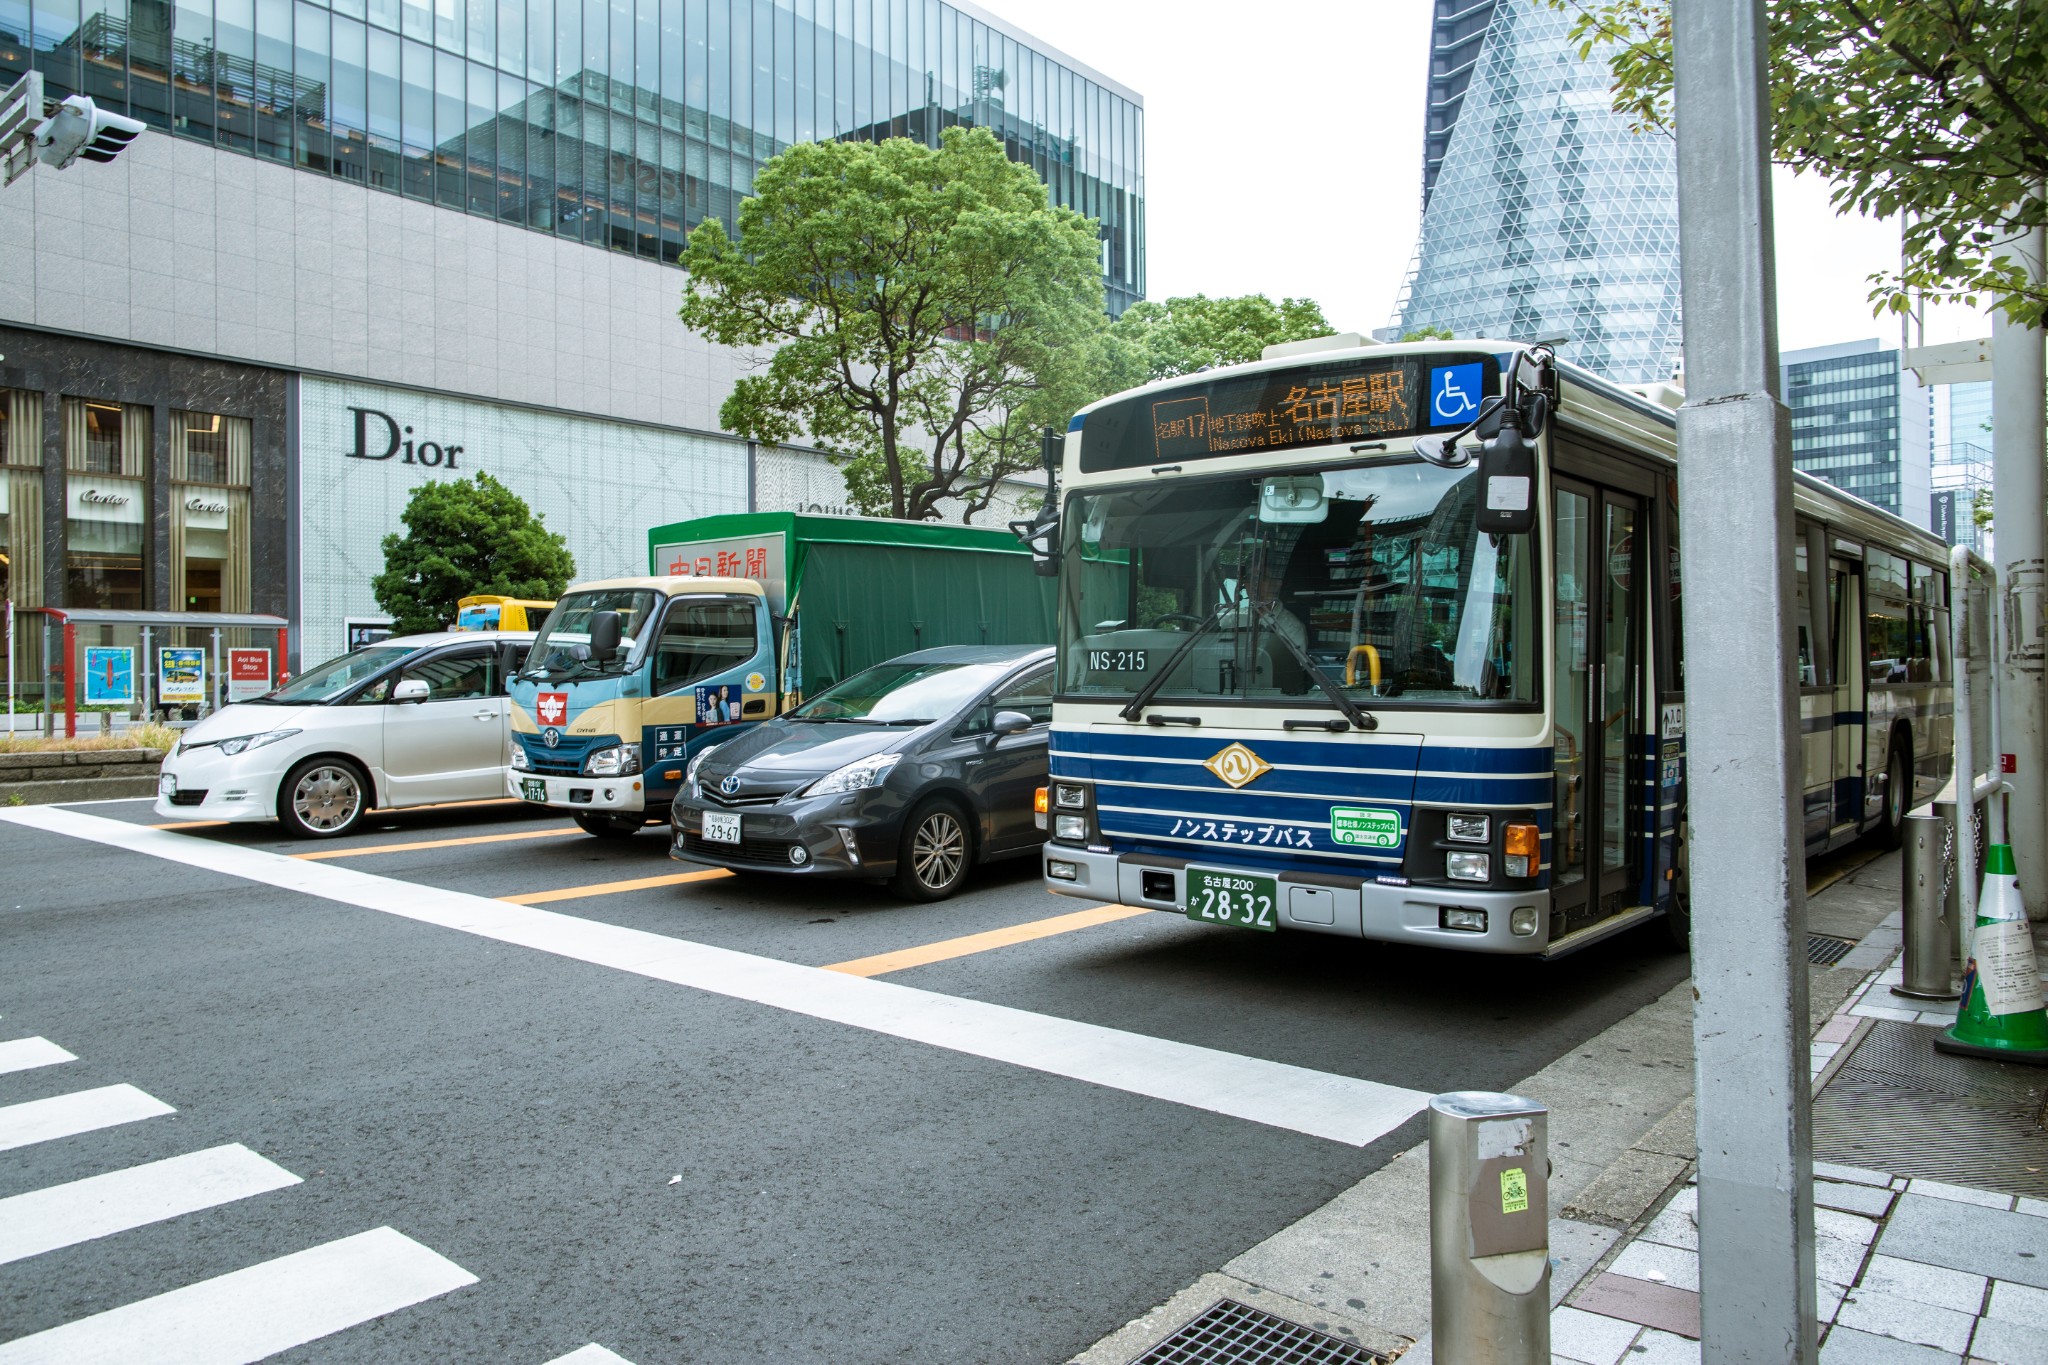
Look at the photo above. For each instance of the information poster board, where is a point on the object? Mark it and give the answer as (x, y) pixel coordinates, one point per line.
(109, 675)
(365, 630)
(248, 674)
(181, 676)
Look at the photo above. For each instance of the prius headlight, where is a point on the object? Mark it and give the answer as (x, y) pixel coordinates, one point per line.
(856, 776)
(241, 742)
(690, 772)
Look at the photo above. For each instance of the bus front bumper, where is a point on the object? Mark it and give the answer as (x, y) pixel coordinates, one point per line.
(1348, 907)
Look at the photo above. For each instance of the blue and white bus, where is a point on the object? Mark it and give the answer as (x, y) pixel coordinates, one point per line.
(1384, 642)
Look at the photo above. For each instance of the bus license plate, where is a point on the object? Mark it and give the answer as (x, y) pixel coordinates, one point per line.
(533, 789)
(1232, 898)
(721, 828)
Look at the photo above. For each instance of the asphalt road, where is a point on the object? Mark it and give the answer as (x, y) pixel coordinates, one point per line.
(669, 1167)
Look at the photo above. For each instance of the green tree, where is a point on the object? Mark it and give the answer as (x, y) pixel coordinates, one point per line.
(462, 537)
(1430, 334)
(928, 312)
(1931, 109)
(1160, 340)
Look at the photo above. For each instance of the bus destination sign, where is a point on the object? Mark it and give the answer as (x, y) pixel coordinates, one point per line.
(1302, 405)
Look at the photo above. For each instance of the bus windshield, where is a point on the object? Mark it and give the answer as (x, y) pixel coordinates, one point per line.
(1245, 587)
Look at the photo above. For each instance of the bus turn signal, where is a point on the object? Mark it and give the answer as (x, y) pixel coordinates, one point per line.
(1521, 845)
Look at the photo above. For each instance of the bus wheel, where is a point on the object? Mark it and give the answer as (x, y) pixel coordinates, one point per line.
(608, 826)
(1898, 794)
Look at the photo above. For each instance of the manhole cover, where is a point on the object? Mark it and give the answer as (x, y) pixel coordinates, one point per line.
(1823, 950)
(1232, 1333)
(1898, 1105)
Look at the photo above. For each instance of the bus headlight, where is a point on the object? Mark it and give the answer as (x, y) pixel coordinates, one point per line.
(1070, 796)
(1468, 829)
(1468, 867)
(1073, 828)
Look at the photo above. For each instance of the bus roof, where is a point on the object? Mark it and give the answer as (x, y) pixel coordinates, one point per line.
(672, 585)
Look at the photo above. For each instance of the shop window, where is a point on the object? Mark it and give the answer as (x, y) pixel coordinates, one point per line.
(106, 515)
(210, 512)
(106, 438)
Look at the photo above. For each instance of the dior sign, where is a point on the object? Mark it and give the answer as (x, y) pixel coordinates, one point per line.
(380, 437)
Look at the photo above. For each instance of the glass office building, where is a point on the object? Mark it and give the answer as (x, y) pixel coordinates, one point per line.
(1863, 424)
(1544, 217)
(622, 123)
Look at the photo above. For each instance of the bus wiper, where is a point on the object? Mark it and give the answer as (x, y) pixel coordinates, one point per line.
(1142, 698)
(1353, 712)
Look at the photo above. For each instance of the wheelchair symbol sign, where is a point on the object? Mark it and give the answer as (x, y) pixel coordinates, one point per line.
(1454, 392)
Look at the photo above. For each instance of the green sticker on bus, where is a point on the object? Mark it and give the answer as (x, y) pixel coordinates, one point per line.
(1514, 1190)
(1365, 826)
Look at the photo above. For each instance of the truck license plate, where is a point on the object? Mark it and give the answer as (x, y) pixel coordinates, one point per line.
(1231, 898)
(721, 828)
(533, 789)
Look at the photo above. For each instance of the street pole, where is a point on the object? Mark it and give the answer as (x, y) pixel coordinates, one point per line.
(1745, 856)
(2019, 526)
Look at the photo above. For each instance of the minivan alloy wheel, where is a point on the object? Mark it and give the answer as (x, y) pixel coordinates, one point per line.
(326, 797)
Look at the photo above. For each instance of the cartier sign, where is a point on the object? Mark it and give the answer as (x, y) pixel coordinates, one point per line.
(379, 436)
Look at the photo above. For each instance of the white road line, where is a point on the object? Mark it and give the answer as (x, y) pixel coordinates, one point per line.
(81, 1111)
(1340, 1108)
(249, 1314)
(593, 1354)
(23, 1054)
(101, 1205)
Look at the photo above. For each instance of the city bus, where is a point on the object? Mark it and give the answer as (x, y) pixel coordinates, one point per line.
(1385, 642)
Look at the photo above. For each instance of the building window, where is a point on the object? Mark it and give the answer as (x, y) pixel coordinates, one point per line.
(106, 518)
(209, 512)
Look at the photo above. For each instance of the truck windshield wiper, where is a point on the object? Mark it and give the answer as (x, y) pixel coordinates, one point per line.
(1353, 712)
(1142, 698)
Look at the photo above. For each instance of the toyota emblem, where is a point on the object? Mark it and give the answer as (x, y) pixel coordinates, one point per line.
(551, 737)
(731, 784)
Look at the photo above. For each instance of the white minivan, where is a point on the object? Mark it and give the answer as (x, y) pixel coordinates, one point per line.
(410, 721)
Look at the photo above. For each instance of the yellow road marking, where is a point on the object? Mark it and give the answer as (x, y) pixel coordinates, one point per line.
(883, 963)
(570, 893)
(322, 854)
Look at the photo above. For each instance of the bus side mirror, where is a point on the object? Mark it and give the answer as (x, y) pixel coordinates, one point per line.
(605, 633)
(1507, 480)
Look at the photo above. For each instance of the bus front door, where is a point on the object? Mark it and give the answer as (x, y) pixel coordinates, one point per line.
(1845, 599)
(1596, 681)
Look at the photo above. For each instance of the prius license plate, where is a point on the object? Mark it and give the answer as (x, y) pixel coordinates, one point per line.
(1231, 898)
(721, 827)
(533, 789)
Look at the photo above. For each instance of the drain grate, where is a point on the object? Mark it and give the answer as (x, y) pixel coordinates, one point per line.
(1824, 950)
(1233, 1334)
(1898, 1105)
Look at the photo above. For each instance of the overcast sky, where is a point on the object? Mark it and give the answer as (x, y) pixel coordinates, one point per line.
(1283, 148)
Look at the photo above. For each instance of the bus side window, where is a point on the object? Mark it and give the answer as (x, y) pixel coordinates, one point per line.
(1920, 645)
(1802, 577)
(1885, 585)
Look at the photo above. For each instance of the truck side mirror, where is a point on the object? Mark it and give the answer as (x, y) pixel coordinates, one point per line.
(605, 633)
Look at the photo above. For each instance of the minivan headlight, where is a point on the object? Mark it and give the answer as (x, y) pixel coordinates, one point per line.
(617, 761)
(242, 742)
(858, 775)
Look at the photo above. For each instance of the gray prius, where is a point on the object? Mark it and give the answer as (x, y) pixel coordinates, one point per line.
(911, 772)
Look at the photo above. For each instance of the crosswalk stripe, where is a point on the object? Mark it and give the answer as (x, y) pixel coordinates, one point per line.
(101, 1205)
(1321, 1104)
(248, 1314)
(593, 1354)
(81, 1111)
(22, 1054)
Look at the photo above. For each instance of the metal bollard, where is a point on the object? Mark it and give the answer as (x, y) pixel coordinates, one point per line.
(1489, 1229)
(1928, 904)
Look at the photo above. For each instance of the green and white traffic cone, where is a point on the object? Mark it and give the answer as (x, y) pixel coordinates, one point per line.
(2001, 1016)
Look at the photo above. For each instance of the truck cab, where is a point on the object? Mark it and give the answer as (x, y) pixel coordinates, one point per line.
(627, 680)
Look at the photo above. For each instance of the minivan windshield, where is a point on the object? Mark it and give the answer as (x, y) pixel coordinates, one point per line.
(902, 693)
(337, 676)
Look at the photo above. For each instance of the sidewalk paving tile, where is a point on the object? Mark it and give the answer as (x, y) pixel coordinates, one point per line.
(1855, 1175)
(1847, 1226)
(1827, 1300)
(1673, 1228)
(1845, 1346)
(1837, 1030)
(1889, 1315)
(1836, 1261)
(1658, 1264)
(1938, 1285)
(1664, 1348)
(1863, 1199)
(2037, 1207)
(2005, 1246)
(2019, 1303)
(2009, 1343)
(1652, 1305)
(1961, 1194)
(1590, 1338)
